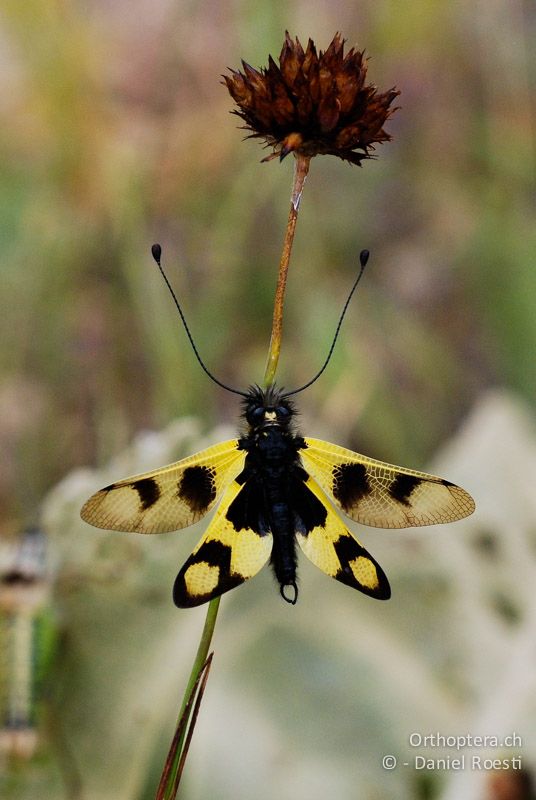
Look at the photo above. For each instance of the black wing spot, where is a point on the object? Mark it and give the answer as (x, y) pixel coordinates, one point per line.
(309, 510)
(197, 488)
(402, 487)
(347, 550)
(148, 491)
(244, 475)
(350, 484)
(247, 509)
(214, 554)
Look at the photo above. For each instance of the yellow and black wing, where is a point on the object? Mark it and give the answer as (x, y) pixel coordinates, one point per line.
(236, 545)
(383, 495)
(169, 498)
(327, 542)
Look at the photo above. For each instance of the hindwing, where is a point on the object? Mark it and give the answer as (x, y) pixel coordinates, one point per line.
(236, 545)
(383, 495)
(169, 498)
(327, 542)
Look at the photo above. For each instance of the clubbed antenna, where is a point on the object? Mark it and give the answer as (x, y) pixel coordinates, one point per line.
(156, 251)
(363, 258)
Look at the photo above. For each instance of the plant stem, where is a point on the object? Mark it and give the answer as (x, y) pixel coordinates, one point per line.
(199, 663)
(301, 168)
(203, 648)
(176, 758)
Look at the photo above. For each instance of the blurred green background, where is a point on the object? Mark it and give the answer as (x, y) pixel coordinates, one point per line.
(115, 132)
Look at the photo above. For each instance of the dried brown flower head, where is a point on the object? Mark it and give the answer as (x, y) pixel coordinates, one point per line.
(313, 103)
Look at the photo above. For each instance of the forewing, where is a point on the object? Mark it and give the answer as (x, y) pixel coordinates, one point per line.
(383, 495)
(235, 547)
(169, 498)
(327, 542)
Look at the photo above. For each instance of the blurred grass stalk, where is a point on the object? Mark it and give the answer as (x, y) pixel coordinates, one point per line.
(24, 591)
(178, 751)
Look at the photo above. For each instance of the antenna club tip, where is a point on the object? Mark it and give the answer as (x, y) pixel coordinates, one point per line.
(156, 252)
(364, 257)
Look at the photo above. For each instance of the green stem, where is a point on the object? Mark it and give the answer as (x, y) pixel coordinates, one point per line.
(199, 662)
(301, 168)
(202, 650)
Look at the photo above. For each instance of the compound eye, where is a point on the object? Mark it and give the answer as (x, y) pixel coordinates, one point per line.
(282, 411)
(257, 414)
